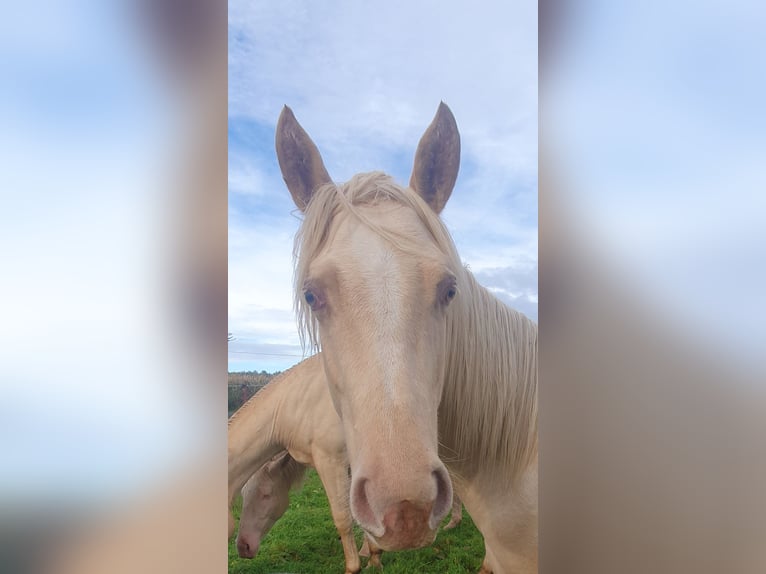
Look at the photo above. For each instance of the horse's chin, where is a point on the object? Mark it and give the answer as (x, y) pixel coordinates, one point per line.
(402, 541)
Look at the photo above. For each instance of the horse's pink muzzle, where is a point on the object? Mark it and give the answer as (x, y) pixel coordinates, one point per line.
(245, 549)
(406, 520)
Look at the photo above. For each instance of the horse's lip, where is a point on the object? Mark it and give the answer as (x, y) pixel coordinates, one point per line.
(424, 540)
(250, 553)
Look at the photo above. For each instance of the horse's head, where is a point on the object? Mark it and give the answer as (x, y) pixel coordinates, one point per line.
(376, 274)
(265, 499)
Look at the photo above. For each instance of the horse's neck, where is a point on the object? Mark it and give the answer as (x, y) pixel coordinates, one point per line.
(258, 431)
(265, 424)
(251, 438)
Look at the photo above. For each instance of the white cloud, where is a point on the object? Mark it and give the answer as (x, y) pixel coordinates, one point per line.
(245, 178)
(352, 72)
(260, 273)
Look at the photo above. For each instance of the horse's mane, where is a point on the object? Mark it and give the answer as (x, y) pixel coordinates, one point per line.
(489, 405)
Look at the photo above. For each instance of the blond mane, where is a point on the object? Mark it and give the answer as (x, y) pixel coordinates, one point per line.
(489, 406)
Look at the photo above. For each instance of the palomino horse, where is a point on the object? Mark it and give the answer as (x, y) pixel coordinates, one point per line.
(265, 496)
(420, 359)
(294, 412)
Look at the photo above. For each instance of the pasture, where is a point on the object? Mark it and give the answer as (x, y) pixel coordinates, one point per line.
(305, 541)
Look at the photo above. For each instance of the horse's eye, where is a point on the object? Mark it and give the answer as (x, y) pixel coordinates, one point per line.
(314, 299)
(447, 290)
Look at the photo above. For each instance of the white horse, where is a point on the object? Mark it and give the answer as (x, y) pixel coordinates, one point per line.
(423, 364)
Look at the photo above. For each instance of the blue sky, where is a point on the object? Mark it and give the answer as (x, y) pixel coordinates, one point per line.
(365, 81)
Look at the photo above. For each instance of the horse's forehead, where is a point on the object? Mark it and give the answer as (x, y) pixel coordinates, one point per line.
(370, 258)
(389, 220)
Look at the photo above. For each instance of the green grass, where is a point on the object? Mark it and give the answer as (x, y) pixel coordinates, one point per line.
(305, 541)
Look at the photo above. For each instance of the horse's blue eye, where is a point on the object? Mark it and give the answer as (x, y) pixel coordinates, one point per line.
(310, 297)
(451, 293)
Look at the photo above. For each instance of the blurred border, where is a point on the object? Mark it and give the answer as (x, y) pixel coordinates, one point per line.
(651, 428)
(172, 520)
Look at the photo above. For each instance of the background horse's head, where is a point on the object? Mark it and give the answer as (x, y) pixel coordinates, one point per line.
(376, 274)
(265, 498)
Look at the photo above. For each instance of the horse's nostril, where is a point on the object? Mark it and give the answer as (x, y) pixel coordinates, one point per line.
(244, 550)
(443, 501)
(360, 506)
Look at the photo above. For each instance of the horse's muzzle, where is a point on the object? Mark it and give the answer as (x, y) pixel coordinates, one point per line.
(407, 522)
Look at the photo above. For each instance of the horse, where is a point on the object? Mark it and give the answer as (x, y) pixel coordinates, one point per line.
(265, 496)
(424, 365)
(294, 412)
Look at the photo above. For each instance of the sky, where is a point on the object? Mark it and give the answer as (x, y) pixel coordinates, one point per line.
(365, 80)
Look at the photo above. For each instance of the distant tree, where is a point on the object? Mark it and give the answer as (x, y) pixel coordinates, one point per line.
(244, 385)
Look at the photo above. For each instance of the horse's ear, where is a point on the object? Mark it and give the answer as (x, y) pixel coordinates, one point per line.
(299, 159)
(437, 160)
(285, 459)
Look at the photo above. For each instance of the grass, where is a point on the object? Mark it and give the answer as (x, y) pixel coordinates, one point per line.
(304, 541)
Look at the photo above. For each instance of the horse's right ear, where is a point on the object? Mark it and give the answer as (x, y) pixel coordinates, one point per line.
(299, 159)
(437, 160)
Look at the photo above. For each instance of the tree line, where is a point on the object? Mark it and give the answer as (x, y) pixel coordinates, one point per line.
(244, 385)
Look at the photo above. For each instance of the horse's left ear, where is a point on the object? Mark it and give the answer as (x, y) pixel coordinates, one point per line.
(437, 160)
(284, 460)
(302, 167)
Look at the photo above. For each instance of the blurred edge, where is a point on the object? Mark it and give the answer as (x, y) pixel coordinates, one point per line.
(651, 436)
(177, 524)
